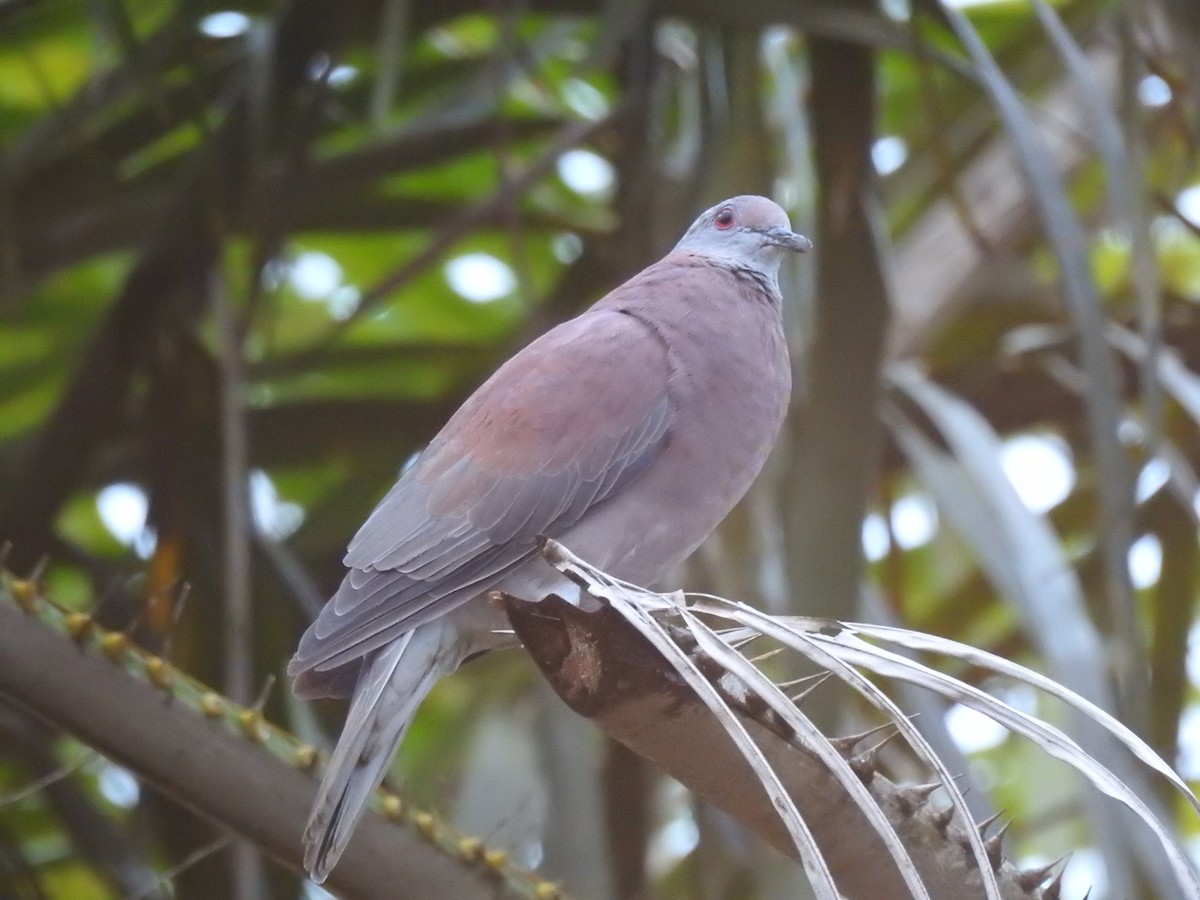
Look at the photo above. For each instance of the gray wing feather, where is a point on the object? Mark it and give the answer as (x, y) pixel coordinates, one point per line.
(431, 545)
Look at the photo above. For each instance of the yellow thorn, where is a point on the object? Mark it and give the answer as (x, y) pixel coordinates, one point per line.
(304, 756)
(251, 722)
(25, 593)
(158, 670)
(470, 848)
(79, 625)
(211, 705)
(546, 891)
(115, 644)
(495, 859)
(393, 807)
(425, 823)
(261, 702)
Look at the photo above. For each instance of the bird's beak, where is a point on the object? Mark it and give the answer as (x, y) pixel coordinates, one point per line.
(781, 237)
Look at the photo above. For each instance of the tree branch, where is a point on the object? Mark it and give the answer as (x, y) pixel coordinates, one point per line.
(604, 670)
(222, 761)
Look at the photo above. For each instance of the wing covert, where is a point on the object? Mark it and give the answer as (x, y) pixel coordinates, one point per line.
(561, 427)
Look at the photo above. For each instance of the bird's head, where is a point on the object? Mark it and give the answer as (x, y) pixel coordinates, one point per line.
(745, 232)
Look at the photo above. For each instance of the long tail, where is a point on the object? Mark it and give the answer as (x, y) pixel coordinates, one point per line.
(391, 686)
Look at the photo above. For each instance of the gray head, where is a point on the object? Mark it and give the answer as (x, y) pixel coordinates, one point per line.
(745, 232)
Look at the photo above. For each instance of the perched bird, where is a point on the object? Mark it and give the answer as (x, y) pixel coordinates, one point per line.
(626, 433)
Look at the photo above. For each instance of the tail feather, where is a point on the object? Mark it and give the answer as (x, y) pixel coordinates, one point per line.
(391, 686)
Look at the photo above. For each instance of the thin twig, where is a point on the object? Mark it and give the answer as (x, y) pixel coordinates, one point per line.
(249, 876)
(459, 227)
(39, 784)
(196, 856)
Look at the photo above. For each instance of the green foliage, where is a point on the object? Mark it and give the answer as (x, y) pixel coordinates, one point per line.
(133, 143)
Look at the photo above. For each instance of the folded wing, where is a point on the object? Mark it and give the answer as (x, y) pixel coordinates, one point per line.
(562, 427)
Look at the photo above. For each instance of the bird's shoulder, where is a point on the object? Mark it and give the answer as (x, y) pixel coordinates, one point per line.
(588, 381)
(577, 412)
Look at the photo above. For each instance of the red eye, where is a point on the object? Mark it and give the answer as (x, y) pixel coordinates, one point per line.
(724, 219)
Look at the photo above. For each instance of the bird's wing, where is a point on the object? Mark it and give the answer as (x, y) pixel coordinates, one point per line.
(561, 427)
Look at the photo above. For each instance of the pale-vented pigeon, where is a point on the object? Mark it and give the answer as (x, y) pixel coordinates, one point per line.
(627, 434)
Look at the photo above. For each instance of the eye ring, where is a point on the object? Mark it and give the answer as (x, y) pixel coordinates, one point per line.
(724, 219)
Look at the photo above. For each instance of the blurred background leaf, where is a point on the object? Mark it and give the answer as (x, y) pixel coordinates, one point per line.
(388, 197)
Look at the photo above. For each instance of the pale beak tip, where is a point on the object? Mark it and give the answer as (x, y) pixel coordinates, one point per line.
(790, 239)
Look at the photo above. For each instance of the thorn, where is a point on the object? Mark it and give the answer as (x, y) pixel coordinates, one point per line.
(887, 740)
(25, 592)
(957, 779)
(470, 848)
(251, 719)
(738, 645)
(393, 808)
(79, 625)
(39, 569)
(29, 592)
(1053, 891)
(817, 681)
(251, 723)
(548, 890)
(159, 672)
(865, 766)
(425, 823)
(115, 645)
(845, 745)
(304, 757)
(495, 860)
(871, 754)
(212, 705)
(1031, 878)
(268, 684)
(763, 656)
(983, 826)
(921, 792)
(181, 597)
(784, 685)
(942, 817)
(995, 847)
(910, 797)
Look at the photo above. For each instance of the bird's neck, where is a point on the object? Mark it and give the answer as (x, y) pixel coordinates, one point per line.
(686, 290)
(764, 272)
